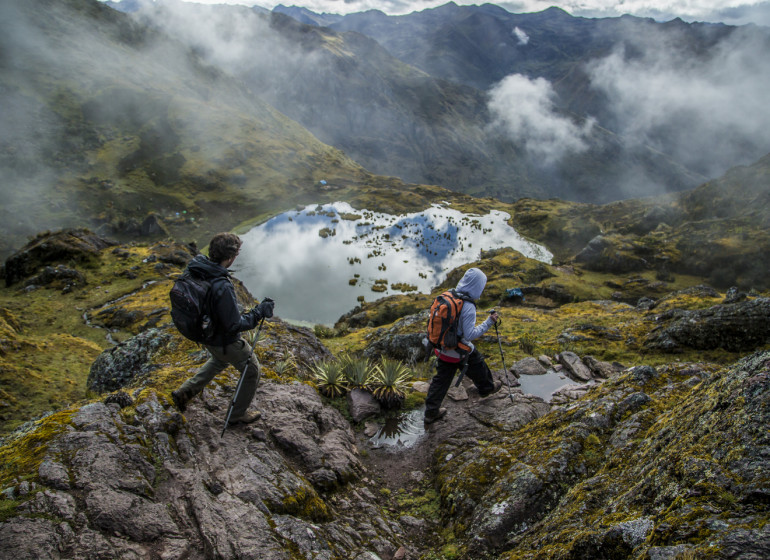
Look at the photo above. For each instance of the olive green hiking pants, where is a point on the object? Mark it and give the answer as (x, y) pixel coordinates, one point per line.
(239, 355)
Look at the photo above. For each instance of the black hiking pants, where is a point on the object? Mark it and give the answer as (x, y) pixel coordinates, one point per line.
(477, 371)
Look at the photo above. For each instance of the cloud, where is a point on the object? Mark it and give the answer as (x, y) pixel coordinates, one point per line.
(708, 111)
(521, 36)
(525, 110)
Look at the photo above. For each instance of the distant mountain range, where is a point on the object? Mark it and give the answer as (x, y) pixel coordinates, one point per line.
(567, 126)
(211, 115)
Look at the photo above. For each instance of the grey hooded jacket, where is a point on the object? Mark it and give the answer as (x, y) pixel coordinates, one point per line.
(471, 285)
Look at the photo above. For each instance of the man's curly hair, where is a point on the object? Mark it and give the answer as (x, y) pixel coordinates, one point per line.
(224, 246)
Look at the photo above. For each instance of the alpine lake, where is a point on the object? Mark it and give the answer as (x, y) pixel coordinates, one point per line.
(319, 262)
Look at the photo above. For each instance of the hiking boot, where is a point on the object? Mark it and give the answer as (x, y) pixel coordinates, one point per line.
(430, 418)
(247, 418)
(495, 388)
(180, 399)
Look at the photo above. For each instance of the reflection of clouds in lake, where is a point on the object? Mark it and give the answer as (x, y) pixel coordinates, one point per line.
(309, 275)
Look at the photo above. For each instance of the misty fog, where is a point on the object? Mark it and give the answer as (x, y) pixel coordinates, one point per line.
(708, 110)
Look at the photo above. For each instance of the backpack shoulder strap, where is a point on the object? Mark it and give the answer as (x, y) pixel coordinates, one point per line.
(462, 296)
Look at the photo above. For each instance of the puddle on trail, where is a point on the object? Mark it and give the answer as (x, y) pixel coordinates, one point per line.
(401, 431)
(544, 386)
(316, 262)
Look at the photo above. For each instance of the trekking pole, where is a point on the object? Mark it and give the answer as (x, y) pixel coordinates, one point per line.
(505, 369)
(240, 380)
(462, 371)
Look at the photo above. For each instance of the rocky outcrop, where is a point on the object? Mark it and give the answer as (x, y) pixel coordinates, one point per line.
(62, 247)
(125, 363)
(612, 254)
(735, 327)
(154, 484)
(405, 346)
(656, 462)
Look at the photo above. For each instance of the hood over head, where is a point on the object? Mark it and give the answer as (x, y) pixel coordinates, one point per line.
(202, 266)
(472, 283)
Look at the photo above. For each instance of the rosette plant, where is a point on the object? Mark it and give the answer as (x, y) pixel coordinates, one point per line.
(358, 371)
(390, 378)
(330, 378)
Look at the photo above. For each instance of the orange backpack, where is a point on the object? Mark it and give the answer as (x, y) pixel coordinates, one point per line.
(443, 321)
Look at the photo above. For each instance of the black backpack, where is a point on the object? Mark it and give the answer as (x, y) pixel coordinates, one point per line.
(191, 307)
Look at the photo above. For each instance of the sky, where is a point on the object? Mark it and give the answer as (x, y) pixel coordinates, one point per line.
(735, 12)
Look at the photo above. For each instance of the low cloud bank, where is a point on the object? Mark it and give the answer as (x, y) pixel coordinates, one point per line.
(526, 111)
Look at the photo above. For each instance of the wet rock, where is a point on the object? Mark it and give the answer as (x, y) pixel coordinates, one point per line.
(528, 366)
(735, 327)
(362, 405)
(574, 367)
(121, 365)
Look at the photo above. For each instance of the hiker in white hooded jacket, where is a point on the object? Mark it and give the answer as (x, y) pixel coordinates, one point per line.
(471, 285)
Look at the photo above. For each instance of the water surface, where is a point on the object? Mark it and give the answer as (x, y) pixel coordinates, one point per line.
(316, 262)
(400, 431)
(544, 386)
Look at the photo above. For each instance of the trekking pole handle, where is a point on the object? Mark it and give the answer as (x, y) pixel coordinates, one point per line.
(494, 311)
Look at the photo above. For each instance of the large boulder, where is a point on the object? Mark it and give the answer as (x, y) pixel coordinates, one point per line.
(123, 364)
(528, 366)
(362, 405)
(574, 366)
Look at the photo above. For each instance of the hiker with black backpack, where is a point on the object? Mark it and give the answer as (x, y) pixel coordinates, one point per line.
(223, 324)
(452, 341)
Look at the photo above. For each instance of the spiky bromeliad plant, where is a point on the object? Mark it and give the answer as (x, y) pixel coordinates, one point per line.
(390, 377)
(330, 378)
(358, 371)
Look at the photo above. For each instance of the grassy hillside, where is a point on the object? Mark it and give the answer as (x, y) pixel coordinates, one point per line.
(108, 122)
(717, 231)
